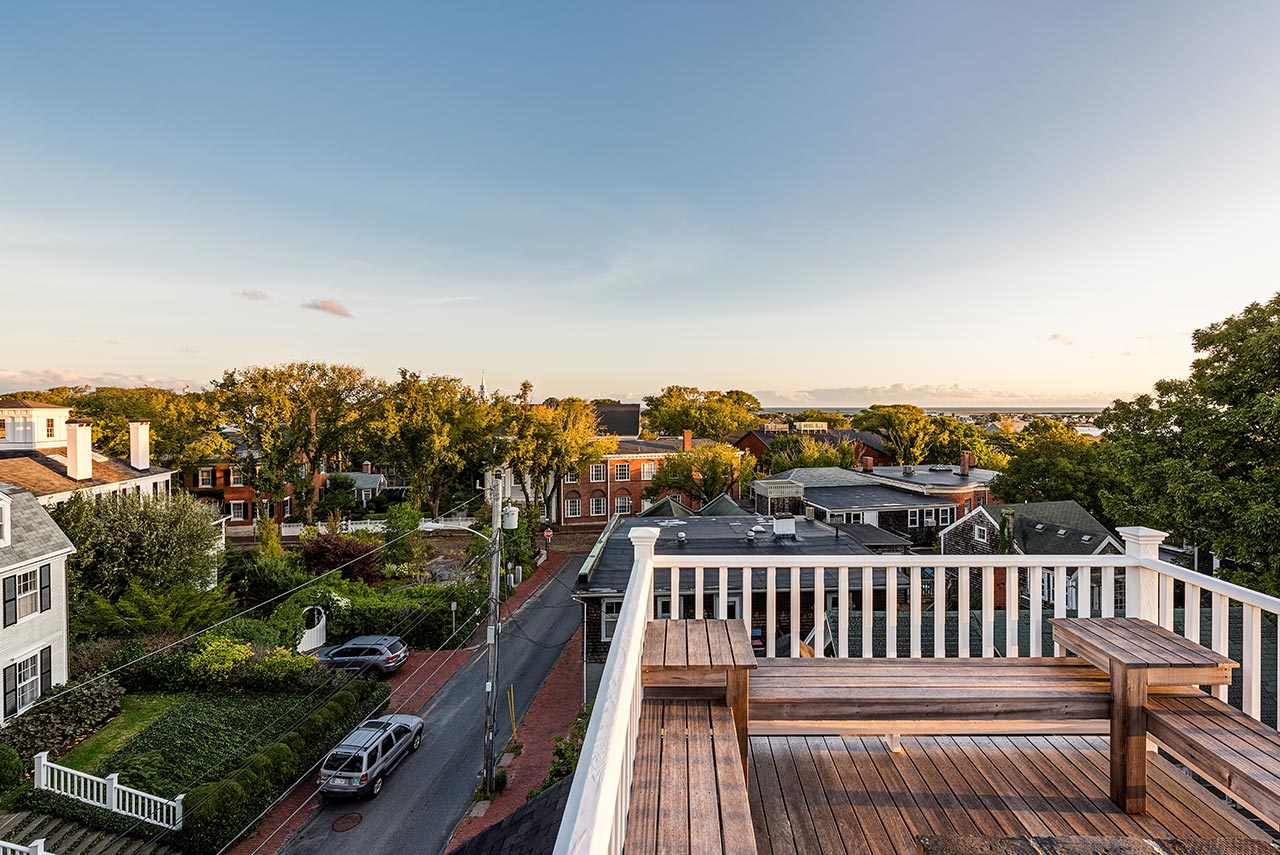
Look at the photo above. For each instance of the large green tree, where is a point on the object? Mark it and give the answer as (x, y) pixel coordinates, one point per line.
(908, 431)
(793, 451)
(434, 430)
(158, 543)
(954, 436)
(1055, 463)
(1200, 458)
(185, 427)
(702, 473)
(707, 413)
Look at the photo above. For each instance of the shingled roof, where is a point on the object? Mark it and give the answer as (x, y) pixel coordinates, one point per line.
(44, 472)
(28, 404)
(33, 533)
(530, 829)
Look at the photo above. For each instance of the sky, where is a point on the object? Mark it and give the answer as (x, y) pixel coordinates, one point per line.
(971, 204)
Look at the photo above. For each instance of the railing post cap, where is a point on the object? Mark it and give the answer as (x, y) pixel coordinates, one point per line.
(113, 777)
(1142, 534)
(644, 535)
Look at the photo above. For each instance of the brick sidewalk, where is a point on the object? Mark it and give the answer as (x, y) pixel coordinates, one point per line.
(549, 716)
(411, 687)
(535, 581)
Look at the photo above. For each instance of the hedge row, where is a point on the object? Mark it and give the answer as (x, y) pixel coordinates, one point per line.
(62, 717)
(216, 812)
(197, 666)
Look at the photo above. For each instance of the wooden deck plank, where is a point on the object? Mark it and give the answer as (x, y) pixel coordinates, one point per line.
(1071, 809)
(980, 800)
(802, 825)
(782, 840)
(876, 807)
(1030, 817)
(908, 786)
(1106, 817)
(718, 645)
(704, 835)
(759, 818)
(655, 645)
(731, 788)
(1159, 821)
(915, 756)
(676, 656)
(829, 834)
(839, 797)
(697, 650)
(642, 813)
(673, 811)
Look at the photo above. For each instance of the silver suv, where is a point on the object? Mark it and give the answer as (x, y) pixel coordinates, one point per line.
(358, 764)
(383, 653)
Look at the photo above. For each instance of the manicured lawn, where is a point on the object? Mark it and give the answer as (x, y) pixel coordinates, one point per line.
(137, 712)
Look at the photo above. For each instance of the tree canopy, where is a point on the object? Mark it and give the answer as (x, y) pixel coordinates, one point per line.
(702, 473)
(908, 431)
(1054, 463)
(707, 413)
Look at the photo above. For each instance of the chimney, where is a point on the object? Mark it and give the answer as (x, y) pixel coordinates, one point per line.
(784, 527)
(688, 440)
(366, 468)
(140, 444)
(966, 460)
(79, 449)
(868, 463)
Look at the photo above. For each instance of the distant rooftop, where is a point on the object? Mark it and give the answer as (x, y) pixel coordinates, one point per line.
(28, 404)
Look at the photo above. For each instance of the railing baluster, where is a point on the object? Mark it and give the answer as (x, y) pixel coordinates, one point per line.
(868, 610)
(1191, 612)
(1218, 634)
(697, 593)
(771, 613)
(675, 610)
(1108, 592)
(988, 612)
(722, 607)
(915, 612)
(1166, 602)
(1035, 596)
(819, 610)
(795, 612)
(1011, 612)
(1059, 600)
(962, 613)
(842, 612)
(891, 612)
(748, 607)
(1251, 661)
(1084, 592)
(939, 612)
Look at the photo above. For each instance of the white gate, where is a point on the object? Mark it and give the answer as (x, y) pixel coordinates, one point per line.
(313, 629)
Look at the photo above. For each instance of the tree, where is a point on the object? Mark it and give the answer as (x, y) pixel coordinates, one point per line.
(1200, 458)
(434, 430)
(907, 431)
(835, 421)
(710, 413)
(701, 474)
(159, 543)
(801, 452)
(143, 610)
(339, 495)
(544, 442)
(295, 419)
(1055, 463)
(185, 428)
(953, 436)
(326, 552)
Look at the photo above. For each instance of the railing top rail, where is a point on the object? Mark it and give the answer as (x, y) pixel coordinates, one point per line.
(747, 559)
(1248, 596)
(148, 796)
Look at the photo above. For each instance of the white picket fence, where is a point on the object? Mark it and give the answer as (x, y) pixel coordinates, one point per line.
(106, 793)
(36, 847)
(347, 526)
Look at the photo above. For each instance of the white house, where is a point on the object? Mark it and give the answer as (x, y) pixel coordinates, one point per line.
(33, 579)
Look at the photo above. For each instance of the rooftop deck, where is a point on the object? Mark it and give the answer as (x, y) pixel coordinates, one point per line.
(853, 795)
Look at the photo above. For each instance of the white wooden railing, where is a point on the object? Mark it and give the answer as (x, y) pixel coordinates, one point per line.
(35, 847)
(106, 793)
(894, 598)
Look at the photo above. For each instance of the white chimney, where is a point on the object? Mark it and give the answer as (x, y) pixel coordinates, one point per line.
(79, 449)
(140, 444)
(784, 525)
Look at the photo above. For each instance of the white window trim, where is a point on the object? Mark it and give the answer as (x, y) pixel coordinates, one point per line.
(710, 606)
(648, 471)
(240, 506)
(573, 507)
(33, 681)
(30, 597)
(603, 506)
(930, 516)
(618, 502)
(622, 471)
(609, 625)
(980, 534)
(913, 519)
(571, 478)
(603, 469)
(237, 476)
(204, 477)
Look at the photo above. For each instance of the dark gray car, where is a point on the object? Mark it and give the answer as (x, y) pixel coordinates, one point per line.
(382, 653)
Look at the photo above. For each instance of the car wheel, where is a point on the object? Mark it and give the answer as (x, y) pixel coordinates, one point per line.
(417, 741)
(376, 788)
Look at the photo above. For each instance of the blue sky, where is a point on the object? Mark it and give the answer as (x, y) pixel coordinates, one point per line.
(978, 203)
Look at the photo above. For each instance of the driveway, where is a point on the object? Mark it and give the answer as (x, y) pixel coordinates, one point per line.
(428, 795)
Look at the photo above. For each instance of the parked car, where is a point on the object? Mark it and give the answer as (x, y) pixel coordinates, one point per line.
(383, 653)
(358, 765)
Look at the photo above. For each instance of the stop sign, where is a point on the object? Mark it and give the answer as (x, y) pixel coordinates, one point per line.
(547, 534)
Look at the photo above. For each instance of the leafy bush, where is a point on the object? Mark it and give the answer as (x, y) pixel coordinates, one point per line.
(564, 756)
(420, 615)
(279, 670)
(90, 657)
(11, 768)
(65, 715)
(217, 658)
(259, 633)
(256, 578)
(330, 551)
(179, 609)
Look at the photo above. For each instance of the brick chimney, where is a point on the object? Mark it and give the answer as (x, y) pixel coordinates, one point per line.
(79, 449)
(868, 463)
(688, 440)
(140, 444)
(966, 460)
(366, 468)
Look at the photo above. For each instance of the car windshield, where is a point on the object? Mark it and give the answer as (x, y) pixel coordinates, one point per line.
(396, 646)
(340, 761)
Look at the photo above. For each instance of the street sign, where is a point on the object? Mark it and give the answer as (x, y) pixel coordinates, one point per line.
(547, 534)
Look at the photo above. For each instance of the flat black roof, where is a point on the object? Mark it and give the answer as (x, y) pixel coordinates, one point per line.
(870, 498)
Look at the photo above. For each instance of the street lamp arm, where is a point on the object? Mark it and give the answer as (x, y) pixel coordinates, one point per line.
(434, 526)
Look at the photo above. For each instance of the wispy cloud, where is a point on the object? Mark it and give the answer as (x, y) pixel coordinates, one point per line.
(332, 307)
(253, 294)
(929, 395)
(1063, 338)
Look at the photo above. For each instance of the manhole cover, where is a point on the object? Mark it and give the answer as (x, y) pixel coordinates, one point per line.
(347, 821)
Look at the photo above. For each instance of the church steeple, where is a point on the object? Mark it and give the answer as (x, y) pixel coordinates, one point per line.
(482, 397)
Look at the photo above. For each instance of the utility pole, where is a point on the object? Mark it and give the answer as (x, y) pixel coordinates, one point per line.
(495, 631)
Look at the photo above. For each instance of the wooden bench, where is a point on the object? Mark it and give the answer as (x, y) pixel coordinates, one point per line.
(1226, 746)
(928, 696)
(688, 793)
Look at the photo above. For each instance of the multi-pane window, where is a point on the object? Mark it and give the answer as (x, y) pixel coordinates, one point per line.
(622, 471)
(28, 681)
(913, 519)
(929, 516)
(205, 477)
(980, 533)
(609, 611)
(647, 471)
(237, 511)
(622, 504)
(573, 507)
(237, 476)
(598, 506)
(571, 478)
(598, 472)
(48, 429)
(946, 516)
(28, 592)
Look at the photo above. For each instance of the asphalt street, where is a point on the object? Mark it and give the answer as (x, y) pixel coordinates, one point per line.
(427, 796)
